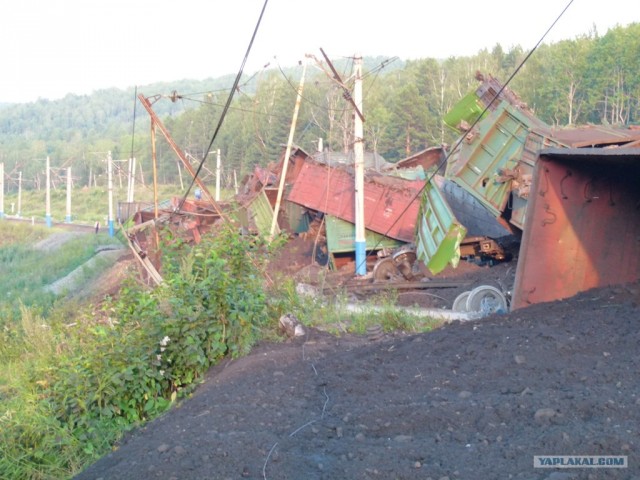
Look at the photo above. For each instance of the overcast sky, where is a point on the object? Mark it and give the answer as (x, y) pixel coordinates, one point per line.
(54, 47)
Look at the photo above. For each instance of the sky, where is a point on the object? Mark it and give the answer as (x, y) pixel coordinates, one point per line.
(50, 48)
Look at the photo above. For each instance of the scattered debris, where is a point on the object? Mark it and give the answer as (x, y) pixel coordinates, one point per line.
(291, 326)
(412, 208)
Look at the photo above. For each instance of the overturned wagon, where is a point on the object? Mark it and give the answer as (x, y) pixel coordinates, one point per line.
(496, 162)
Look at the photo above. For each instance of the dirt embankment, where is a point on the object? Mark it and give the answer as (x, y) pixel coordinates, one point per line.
(472, 400)
(102, 274)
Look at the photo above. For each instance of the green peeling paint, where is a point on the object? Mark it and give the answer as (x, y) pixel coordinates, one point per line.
(439, 234)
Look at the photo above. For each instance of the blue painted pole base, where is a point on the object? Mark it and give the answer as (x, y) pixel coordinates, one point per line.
(111, 229)
(48, 220)
(361, 257)
(67, 219)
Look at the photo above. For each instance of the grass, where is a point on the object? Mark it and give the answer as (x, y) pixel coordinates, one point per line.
(74, 376)
(34, 443)
(335, 317)
(88, 205)
(29, 270)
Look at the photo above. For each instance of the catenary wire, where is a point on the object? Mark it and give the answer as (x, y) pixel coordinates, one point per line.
(226, 107)
(459, 141)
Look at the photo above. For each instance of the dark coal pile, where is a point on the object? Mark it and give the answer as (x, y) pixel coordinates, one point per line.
(473, 400)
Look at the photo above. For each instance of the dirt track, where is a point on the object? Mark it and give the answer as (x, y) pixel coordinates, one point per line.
(473, 400)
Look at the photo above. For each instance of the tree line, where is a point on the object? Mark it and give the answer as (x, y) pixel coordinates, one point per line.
(592, 79)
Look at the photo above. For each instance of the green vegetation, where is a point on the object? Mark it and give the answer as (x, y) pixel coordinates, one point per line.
(28, 269)
(76, 376)
(335, 317)
(88, 205)
(592, 79)
(73, 382)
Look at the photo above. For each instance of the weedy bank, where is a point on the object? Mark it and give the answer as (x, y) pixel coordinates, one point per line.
(76, 376)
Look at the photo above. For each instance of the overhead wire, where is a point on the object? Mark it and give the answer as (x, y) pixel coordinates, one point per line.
(191, 97)
(375, 71)
(239, 109)
(306, 99)
(186, 96)
(474, 123)
(226, 107)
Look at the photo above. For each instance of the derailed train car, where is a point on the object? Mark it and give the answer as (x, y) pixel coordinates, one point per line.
(496, 163)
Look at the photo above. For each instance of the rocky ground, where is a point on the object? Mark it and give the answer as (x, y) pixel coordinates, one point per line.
(470, 400)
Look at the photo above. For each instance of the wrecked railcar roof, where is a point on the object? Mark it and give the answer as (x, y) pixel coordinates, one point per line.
(429, 158)
(596, 136)
(372, 160)
(390, 204)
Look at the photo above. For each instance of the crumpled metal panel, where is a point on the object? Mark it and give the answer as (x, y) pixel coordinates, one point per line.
(488, 96)
(495, 159)
(429, 158)
(495, 145)
(390, 204)
(341, 237)
(438, 234)
(469, 211)
(596, 136)
(256, 214)
(583, 224)
(465, 112)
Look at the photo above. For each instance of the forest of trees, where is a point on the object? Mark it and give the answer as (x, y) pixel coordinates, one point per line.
(592, 79)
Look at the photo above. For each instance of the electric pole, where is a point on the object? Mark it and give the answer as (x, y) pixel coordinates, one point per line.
(358, 153)
(287, 154)
(110, 175)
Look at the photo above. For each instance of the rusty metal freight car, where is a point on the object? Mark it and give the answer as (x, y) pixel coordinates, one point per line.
(583, 224)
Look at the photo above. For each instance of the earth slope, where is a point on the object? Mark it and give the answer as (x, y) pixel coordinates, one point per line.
(473, 400)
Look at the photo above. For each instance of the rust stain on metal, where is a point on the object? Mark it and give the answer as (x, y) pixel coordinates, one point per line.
(583, 224)
(391, 204)
(596, 136)
(428, 158)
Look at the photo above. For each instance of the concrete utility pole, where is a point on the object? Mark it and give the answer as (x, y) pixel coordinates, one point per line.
(285, 162)
(358, 152)
(180, 174)
(360, 243)
(68, 217)
(47, 215)
(1, 190)
(110, 176)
